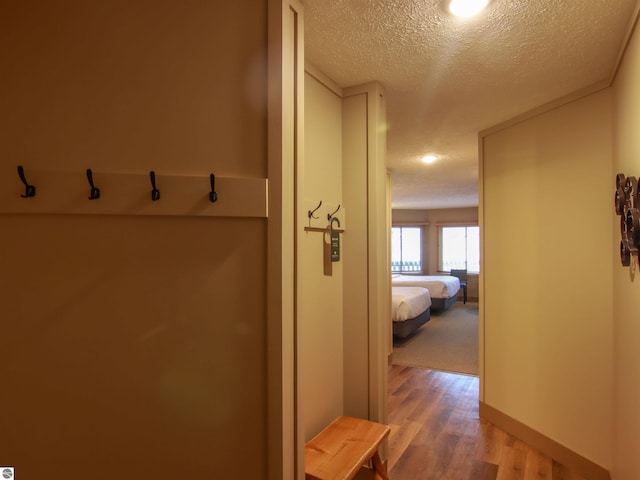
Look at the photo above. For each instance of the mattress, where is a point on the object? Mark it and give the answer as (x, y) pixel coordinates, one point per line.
(408, 302)
(439, 286)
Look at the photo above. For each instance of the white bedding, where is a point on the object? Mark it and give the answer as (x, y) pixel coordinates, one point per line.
(408, 302)
(439, 286)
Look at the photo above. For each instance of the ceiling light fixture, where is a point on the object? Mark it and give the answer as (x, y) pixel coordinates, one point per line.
(466, 8)
(429, 158)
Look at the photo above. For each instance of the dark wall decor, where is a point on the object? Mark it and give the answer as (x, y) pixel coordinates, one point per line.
(627, 205)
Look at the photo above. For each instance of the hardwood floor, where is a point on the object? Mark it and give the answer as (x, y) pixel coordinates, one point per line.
(436, 433)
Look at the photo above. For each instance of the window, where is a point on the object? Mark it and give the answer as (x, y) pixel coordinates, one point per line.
(406, 249)
(460, 248)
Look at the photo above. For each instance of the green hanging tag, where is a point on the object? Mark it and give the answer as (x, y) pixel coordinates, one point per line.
(335, 246)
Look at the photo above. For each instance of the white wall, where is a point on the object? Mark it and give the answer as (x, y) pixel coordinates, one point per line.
(626, 304)
(547, 301)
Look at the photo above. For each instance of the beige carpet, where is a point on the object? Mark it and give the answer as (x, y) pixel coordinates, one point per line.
(448, 342)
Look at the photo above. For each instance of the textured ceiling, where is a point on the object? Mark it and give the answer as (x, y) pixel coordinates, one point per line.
(446, 78)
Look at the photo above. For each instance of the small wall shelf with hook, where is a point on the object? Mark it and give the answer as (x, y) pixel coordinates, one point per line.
(323, 230)
(328, 219)
(65, 193)
(317, 211)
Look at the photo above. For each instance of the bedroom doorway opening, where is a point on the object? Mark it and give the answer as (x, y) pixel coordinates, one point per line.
(445, 240)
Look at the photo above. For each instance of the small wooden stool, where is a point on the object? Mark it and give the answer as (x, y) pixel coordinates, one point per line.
(341, 449)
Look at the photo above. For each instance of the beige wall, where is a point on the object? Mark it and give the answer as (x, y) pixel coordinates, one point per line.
(626, 296)
(344, 313)
(356, 311)
(285, 146)
(132, 342)
(431, 241)
(547, 298)
(367, 268)
(320, 322)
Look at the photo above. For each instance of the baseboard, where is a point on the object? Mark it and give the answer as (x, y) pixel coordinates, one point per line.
(547, 446)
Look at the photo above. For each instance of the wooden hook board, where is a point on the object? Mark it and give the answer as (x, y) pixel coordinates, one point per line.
(130, 194)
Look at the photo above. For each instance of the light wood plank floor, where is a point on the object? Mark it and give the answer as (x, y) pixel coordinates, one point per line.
(436, 433)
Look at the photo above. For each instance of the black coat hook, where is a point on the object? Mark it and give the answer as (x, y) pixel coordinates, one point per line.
(155, 193)
(30, 189)
(330, 215)
(311, 212)
(213, 196)
(95, 192)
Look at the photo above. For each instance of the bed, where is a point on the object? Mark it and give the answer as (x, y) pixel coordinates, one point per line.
(443, 288)
(411, 308)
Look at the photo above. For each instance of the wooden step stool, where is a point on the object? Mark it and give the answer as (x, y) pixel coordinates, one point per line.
(341, 449)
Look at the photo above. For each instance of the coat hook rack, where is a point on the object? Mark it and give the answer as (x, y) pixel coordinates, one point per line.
(155, 193)
(95, 192)
(30, 190)
(330, 215)
(311, 212)
(213, 196)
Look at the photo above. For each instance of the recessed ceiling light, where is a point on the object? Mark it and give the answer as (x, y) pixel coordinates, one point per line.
(429, 158)
(466, 8)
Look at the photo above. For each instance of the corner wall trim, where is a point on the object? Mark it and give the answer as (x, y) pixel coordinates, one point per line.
(547, 446)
